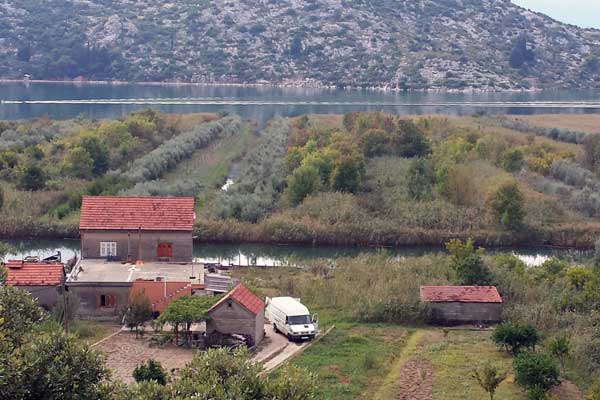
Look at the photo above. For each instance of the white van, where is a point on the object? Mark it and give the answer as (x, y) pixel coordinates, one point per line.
(291, 318)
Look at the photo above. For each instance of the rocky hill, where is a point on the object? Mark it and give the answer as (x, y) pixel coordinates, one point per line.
(404, 44)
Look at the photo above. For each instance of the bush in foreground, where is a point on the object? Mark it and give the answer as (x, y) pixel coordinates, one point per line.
(151, 370)
(536, 371)
(515, 337)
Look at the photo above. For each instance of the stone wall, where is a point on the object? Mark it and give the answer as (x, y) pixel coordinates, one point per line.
(232, 318)
(90, 295)
(46, 295)
(129, 242)
(457, 312)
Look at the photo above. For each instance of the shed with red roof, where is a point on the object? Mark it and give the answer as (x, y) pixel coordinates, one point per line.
(239, 312)
(137, 228)
(42, 279)
(463, 304)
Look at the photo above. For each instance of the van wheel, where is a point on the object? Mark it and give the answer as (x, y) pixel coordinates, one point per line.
(275, 328)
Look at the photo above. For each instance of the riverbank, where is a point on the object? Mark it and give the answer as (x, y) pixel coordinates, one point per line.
(282, 85)
(576, 237)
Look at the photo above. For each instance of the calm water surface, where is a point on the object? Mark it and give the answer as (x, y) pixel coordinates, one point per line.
(68, 100)
(273, 255)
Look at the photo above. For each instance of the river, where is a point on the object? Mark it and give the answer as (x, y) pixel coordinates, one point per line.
(275, 255)
(69, 100)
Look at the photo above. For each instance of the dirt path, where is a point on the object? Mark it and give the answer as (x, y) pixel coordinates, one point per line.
(567, 391)
(124, 352)
(416, 376)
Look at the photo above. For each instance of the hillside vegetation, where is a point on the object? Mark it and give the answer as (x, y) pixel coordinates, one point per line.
(377, 179)
(432, 44)
(367, 179)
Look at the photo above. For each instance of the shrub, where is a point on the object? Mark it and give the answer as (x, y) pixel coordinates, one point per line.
(33, 178)
(560, 347)
(594, 392)
(303, 182)
(515, 337)
(513, 160)
(150, 371)
(468, 263)
(420, 180)
(489, 378)
(507, 204)
(536, 370)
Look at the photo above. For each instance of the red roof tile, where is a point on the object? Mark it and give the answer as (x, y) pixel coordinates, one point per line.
(131, 213)
(244, 297)
(34, 274)
(462, 294)
(155, 292)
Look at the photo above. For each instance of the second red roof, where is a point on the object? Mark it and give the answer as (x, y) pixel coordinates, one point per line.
(462, 294)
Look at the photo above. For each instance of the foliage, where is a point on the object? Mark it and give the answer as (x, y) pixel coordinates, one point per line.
(137, 312)
(304, 181)
(78, 163)
(507, 205)
(513, 160)
(468, 263)
(515, 337)
(594, 392)
(171, 152)
(521, 54)
(489, 378)
(150, 371)
(420, 180)
(19, 314)
(32, 177)
(536, 370)
(186, 311)
(560, 347)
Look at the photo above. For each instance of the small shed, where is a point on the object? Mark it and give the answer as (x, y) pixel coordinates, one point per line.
(239, 312)
(43, 280)
(453, 305)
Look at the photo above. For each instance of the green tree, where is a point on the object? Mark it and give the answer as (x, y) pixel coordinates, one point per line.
(78, 163)
(375, 142)
(521, 54)
(409, 141)
(468, 263)
(185, 311)
(32, 177)
(58, 366)
(151, 370)
(98, 153)
(292, 383)
(513, 160)
(1, 198)
(536, 370)
(303, 182)
(137, 312)
(515, 337)
(19, 314)
(489, 378)
(420, 179)
(507, 204)
(560, 347)
(347, 174)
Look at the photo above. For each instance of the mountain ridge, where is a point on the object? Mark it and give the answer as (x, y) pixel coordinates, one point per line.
(406, 45)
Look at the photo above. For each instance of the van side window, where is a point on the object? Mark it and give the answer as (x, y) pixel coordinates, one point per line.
(286, 320)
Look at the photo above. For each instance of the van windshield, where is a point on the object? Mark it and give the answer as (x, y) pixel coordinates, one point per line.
(299, 320)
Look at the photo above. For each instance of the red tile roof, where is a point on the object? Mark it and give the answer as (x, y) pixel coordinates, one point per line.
(245, 298)
(462, 294)
(131, 213)
(34, 273)
(155, 292)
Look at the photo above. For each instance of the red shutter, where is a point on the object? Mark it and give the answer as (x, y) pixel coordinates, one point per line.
(164, 250)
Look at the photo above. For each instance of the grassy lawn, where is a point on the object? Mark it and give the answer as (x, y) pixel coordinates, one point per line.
(91, 331)
(353, 358)
(457, 355)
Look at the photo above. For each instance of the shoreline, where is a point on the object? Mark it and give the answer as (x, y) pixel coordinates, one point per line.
(282, 85)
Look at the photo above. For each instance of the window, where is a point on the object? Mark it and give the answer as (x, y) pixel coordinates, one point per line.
(108, 300)
(164, 250)
(108, 249)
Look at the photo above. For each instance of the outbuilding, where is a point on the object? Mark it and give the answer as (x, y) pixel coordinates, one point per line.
(454, 305)
(239, 312)
(44, 280)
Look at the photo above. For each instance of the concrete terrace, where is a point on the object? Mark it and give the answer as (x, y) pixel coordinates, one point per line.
(102, 271)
